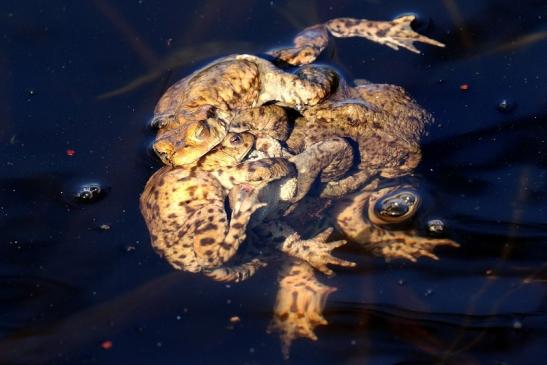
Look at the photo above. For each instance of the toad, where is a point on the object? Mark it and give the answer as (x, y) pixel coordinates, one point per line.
(185, 212)
(195, 113)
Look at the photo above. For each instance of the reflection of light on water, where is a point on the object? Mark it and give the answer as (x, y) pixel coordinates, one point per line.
(459, 21)
(522, 193)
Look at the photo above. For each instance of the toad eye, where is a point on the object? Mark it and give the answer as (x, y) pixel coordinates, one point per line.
(202, 131)
(236, 139)
(397, 207)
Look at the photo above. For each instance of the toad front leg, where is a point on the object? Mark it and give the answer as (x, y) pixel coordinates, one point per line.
(385, 206)
(254, 172)
(329, 159)
(309, 43)
(315, 251)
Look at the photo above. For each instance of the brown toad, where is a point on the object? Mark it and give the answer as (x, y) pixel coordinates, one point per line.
(384, 125)
(195, 113)
(185, 212)
(184, 207)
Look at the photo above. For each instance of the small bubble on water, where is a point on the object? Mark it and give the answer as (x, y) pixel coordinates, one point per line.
(436, 226)
(91, 192)
(104, 227)
(178, 318)
(252, 350)
(401, 282)
(505, 106)
(517, 324)
(429, 292)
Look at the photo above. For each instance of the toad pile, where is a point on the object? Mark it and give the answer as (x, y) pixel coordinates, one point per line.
(261, 152)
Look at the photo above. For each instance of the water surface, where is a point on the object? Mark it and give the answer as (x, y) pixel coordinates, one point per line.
(78, 83)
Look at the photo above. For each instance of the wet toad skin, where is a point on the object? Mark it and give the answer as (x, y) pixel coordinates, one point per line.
(385, 126)
(195, 113)
(185, 212)
(184, 207)
(189, 131)
(382, 120)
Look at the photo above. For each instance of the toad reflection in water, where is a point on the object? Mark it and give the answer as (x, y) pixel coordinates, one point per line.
(359, 142)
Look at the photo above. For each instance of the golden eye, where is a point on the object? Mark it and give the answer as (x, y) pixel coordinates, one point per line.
(236, 139)
(397, 207)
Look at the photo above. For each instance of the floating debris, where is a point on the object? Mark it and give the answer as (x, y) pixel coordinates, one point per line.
(70, 152)
(436, 226)
(517, 324)
(505, 106)
(90, 192)
(106, 345)
(235, 319)
(104, 227)
(464, 87)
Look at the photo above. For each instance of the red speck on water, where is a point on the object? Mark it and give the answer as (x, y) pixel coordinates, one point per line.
(70, 152)
(464, 87)
(106, 345)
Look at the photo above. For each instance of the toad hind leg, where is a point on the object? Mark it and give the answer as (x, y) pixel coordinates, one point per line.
(349, 184)
(244, 265)
(394, 34)
(236, 273)
(309, 43)
(299, 304)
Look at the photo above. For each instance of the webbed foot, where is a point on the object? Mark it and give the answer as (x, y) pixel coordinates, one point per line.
(299, 304)
(401, 245)
(317, 252)
(394, 34)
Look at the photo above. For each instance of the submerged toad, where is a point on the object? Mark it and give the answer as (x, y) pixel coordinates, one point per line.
(385, 126)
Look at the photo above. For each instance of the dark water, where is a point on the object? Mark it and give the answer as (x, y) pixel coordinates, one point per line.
(82, 78)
